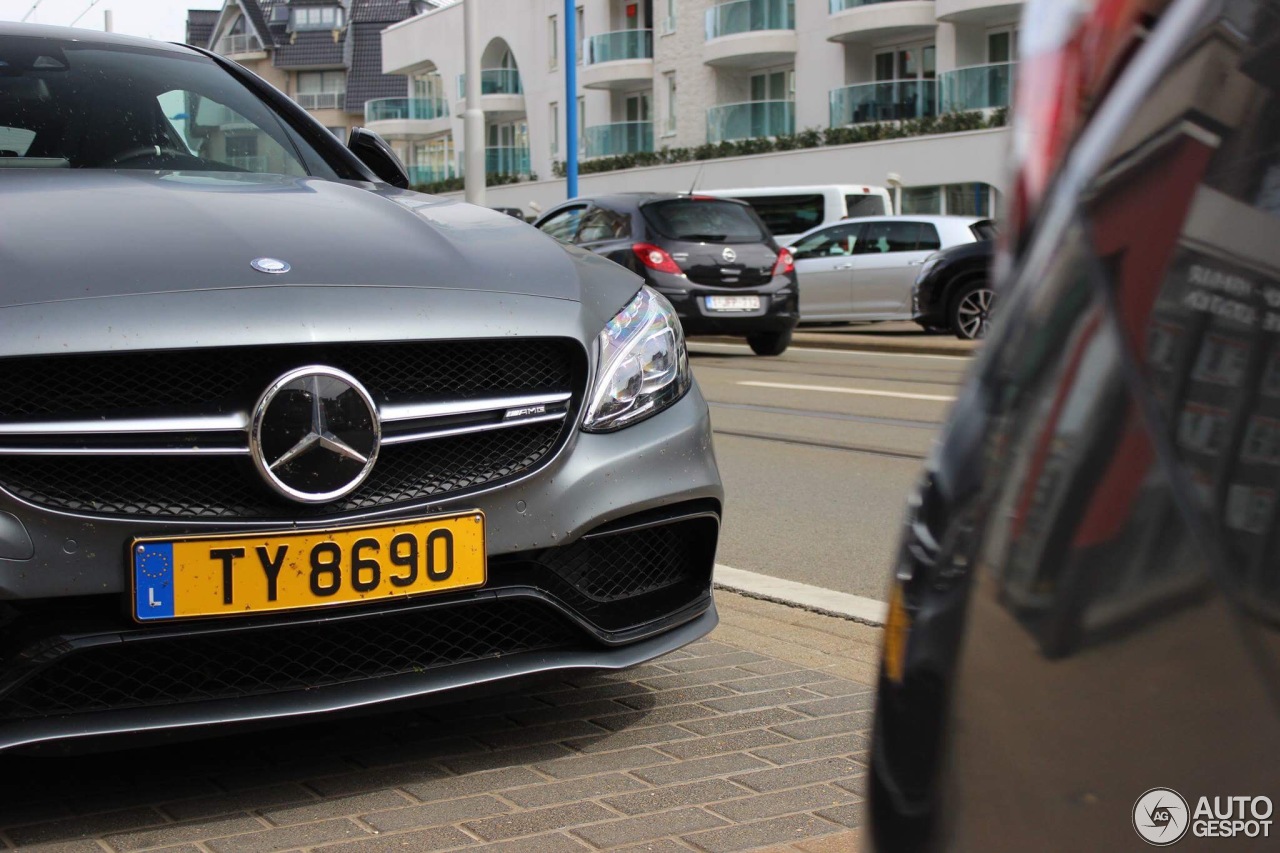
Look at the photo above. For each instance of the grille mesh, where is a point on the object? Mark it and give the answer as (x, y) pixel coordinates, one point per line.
(204, 380)
(623, 565)
(174, 670)
(227, 379)
(223, 487)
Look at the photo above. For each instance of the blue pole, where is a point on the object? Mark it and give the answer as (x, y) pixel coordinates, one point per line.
(571, 97)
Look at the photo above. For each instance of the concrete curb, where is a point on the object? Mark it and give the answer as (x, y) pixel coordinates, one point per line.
(924, 345)
(815, 599)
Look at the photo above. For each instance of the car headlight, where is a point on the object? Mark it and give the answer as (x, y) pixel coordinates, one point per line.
(644, 366)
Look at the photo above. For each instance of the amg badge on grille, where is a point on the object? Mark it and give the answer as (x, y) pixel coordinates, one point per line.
(315, 434)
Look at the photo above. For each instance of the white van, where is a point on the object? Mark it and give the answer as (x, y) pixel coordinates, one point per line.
(788, 212)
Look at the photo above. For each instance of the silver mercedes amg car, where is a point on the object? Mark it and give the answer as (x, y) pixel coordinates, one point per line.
(280, 437)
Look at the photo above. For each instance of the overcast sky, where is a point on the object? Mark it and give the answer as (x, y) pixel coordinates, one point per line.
(157, 19)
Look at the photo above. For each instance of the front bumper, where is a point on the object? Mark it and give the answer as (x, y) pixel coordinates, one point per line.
(73, 664)
(926, 308)
(779, 309)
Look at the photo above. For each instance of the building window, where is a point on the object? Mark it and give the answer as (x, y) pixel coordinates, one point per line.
(669, 124)
(637, 106)
(553, 41)
(555, 129)
(316, 18)
(321, 90)
(579, 36)
(428, 85)
(955, 199)
(773, 85)
(1002, 45)
(908, 62)
(582, 125)
(669, 22)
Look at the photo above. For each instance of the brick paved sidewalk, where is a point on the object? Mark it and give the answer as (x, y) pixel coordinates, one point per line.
(753, 739)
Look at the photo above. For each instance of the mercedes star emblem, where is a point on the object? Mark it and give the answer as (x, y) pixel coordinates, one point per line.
(315, 434)
(729, 255)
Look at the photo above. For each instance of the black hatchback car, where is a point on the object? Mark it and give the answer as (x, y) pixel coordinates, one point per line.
(712, 258)
(1082, 648)
(953, 290)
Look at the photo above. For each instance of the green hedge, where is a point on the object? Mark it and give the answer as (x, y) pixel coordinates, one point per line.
(450, 185)
(810, 138)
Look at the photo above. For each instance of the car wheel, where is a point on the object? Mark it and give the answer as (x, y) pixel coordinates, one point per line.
(769, 343)
(971, 310)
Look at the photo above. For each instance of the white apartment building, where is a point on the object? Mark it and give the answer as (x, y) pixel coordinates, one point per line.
(656, 74)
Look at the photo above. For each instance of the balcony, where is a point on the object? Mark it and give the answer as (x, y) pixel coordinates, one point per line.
(507, 160)
(430, 174)
(501, 94)
(874, 20)
(494, 81)
(406, 117)
(979, 87)
(242, 45)
(750, 120)
(887, 100)
(979, 11)
(320, 100)
(750, 34)
(624, 137)
(618, 60)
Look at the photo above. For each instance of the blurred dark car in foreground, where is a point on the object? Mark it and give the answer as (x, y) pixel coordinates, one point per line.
(278, 438)
(713, 258)
(953, 291)
(1083, 645)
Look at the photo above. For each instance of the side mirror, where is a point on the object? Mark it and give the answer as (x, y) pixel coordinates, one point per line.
(375, 153)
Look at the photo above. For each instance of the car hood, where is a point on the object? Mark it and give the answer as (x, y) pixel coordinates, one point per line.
(85, 234)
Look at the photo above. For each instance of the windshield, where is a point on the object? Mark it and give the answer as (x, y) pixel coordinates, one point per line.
(69, 104)
(705, 221)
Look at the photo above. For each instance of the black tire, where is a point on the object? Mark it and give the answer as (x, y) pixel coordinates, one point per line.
(769, 343)
(971, 310)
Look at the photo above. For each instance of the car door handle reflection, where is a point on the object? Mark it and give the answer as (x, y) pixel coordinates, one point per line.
(845, 267)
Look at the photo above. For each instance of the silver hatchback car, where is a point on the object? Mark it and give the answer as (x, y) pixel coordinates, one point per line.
(863, 268)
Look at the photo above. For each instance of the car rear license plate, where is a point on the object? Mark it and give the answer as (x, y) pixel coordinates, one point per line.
(733, 303)
(220, 575)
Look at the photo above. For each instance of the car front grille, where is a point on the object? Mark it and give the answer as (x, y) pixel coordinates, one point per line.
(221, 378)
(158, 670)
(223, 487)
(79, 475)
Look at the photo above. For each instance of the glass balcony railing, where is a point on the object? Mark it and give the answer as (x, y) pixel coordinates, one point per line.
(888, 100)
(624, 137)
(749, 120)
(494, 81)
(431, 174)
(978, 87)
(744, 16)
(841, 5)
(390, 109)
(507, 160)
(623, 44)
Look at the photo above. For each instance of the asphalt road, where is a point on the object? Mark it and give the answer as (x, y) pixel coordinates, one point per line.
(818, 449)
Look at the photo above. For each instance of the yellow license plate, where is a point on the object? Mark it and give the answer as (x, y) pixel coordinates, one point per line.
(284, 570)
